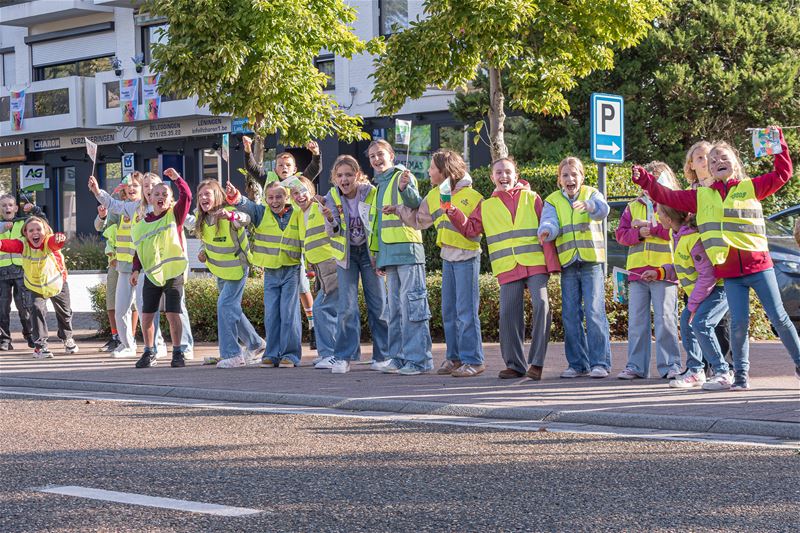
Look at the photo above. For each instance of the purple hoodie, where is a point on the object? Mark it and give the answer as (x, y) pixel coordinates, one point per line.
(706, 280)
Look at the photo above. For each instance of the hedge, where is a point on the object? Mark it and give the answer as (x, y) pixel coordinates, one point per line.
(201, 299)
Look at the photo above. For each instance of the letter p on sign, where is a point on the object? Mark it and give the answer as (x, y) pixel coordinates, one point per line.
(608, 128)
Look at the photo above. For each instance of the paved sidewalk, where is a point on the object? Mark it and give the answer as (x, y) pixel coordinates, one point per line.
(772, 408)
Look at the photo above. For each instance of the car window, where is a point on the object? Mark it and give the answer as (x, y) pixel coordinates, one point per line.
(782, 226)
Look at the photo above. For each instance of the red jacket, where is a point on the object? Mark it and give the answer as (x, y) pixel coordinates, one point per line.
(473, 227)
(739, 262)
(16, 246)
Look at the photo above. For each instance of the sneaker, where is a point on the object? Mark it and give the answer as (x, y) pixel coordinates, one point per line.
(741, 381)
(411, 369)
(628, 374)
(147, 359)
(720, 382)
(392, 367)
(5, 346)
(340, 367)
(447, 367)
(266, 362)
(570, 373)
(124, 353)
(253, 356)
(178, 359)
(232, 362)
(468, 371)
(30, 342)
(110, 346)
(211, 360)
(688, 380)
(316, 360)
(326, 363)
(673, 373)
(70, 347)
(286, 363)
(42, 353)
(598, 372)
(378, 366)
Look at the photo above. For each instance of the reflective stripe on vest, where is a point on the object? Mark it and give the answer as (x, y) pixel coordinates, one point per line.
(684, 262)
(317, 246)
(650, 252)
(125, 248)
(159, 248)
(393, 230)
(42, 274)
(7, 258)
(224, 258)
(518, 245)
(272, 247)
(465, 200)
(736, 222)
(579, 234)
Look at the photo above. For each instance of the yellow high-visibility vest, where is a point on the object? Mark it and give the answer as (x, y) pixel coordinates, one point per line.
(512, 242)
(317, 245)
(651, 251)
(42, 274)
(159, 248)
(579, 233)
(393, 230)
(272, 247)
(125, 248)
(684, 264)
(226, 248)
(7, 258)
(465, 200)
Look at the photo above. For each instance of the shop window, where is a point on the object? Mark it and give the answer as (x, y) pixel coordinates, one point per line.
(327, 65)
(83, 67)
(393, 16)
(211, 163)
(68, 206)
(112, 174)
(151, 165)
(452, 138)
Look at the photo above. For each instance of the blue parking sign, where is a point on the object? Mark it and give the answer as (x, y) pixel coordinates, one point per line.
(608, 128)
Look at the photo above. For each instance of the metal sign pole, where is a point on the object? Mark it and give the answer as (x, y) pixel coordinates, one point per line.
(601, 186)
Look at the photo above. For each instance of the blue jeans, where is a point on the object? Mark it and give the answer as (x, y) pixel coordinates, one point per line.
(408, 314)
(232, 324)
(583, 296)
(699, 339)
(766, 287)
(325, 321)
(348, 333)
(460, 296)
(282, 314)
(663, 296)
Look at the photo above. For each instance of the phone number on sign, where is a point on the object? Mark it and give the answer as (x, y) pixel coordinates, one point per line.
(164, 133)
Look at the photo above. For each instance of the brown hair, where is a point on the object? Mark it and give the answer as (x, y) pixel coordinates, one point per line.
(8, 196)
(219, 202)
(684, 217)
(350, 161)
(45, 225)
(286, 155)
(451, 165)
(381, 143)
(657, 168)
(309, 185)
(573, 161)
(272, 185)
(740, 174)
(688, 171)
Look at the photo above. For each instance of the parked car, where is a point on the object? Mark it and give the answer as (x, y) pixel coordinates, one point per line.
(782, 247)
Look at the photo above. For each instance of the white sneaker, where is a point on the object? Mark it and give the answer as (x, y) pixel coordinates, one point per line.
(570, 373)
(317, 360)
(232, 362)
(721, 382)
(689, 380)
(70, 347)
(598, 372)
(254, 356)
(326, 363)
(124, 353)
(628, 374)
(340, 367)
(378, 366)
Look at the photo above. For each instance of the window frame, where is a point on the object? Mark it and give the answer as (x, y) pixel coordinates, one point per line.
(327, 58)
(381, 18)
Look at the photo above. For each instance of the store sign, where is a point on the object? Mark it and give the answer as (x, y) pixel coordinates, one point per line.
(12, 150)
(240, 125)
(78, 141)
(128, 165)
(185, 128)
(32, 177)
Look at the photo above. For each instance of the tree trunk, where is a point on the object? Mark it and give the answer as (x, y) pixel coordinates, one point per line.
(497, 116)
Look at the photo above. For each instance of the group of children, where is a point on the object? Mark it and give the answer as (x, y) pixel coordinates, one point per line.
(709, 240)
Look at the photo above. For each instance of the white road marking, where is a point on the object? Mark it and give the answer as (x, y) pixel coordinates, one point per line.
(149, 501)
(486, 423)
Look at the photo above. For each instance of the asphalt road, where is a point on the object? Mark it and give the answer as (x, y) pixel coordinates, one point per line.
(342, 474)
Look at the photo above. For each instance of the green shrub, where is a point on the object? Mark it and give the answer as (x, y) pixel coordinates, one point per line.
(86, 252)
(201, 300)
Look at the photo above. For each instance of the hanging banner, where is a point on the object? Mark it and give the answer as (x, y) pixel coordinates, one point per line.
(17, 112)
(402, 132)
(129, 98)
(151, 96)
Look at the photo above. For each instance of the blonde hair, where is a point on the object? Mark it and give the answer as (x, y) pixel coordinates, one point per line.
(658, 168)
(46, 229)
(219, 202)
(274, 184)
(508, 159)
(688, 171)
(450, 164)
(381, 143)
(739, 174)
(154, 179)
(350, 161)
(8, 197)
(286, 155)
(572, 161)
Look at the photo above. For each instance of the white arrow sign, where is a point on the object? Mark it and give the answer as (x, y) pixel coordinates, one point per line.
(606, 148)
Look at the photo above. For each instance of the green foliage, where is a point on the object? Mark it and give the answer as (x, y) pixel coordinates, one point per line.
(86, 252)
(255, 59)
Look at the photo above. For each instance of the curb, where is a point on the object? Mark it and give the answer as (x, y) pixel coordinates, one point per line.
(730, 426)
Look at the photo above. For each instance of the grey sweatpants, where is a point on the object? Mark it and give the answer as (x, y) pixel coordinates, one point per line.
(512, 322)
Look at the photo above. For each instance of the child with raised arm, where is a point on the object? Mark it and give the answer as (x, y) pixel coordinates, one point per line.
(649, 247)
(461, 262)
(276, 247)
(573, 218)
(226, 254)
(46, 279)
(12, 285)
(510, 219)
(401, 257)
(353, 249)
(731, 225)
(161, 254)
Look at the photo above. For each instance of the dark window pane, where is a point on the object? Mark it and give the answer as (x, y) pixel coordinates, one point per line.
(48, 103)
(112, 94)
(394, 16)
(5, 108)
(328, 67)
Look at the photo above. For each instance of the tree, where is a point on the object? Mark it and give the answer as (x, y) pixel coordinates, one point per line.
(542, 46)
(255, 59)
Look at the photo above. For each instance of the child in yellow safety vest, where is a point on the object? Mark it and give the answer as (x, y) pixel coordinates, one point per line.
(161, 254)
(46, 278)
(461, 261)
(11, 276)
(573, 218)
(275, 246)
(510, 219)
(649, 247)
(225, 251)
(731, 224)
(706, 304)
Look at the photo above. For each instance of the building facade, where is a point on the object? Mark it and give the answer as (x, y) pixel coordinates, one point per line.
(61, 54)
